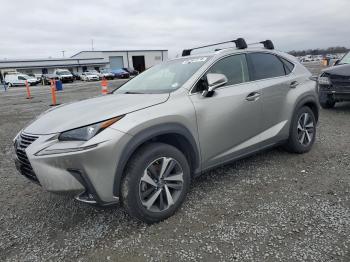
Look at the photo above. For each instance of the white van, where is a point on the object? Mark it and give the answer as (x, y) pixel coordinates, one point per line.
(19, 80)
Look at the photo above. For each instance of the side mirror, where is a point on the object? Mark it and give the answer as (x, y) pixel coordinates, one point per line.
(214, 81)
(336, 62)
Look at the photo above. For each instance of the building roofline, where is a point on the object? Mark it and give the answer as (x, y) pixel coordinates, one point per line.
(47, 60)
(53, 66)
(106, 51)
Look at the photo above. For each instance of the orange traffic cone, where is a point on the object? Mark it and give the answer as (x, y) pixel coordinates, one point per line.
(53, 92)
(104, 85)
(28, 90)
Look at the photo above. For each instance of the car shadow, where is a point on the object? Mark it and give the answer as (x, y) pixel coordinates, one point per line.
(341, 107)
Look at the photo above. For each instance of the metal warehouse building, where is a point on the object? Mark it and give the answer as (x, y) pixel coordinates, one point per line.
(87, 60)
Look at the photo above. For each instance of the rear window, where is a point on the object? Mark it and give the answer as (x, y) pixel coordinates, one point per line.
(288, 66)
(266, 66)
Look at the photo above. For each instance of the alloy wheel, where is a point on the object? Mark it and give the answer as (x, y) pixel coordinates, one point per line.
(306, 129)
(161, 184)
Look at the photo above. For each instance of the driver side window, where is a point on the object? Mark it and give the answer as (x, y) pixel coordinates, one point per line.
(234, 67)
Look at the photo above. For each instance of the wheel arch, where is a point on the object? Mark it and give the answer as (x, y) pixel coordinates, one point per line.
(170, 133)
(311, 102)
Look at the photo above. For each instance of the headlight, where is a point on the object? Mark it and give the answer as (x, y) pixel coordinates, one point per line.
(87, 132)
(323, 80)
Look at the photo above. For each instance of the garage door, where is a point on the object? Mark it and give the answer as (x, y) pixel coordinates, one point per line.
(116, 62)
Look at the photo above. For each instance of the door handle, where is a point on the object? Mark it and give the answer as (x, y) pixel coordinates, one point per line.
(294, 84)
(253, 96)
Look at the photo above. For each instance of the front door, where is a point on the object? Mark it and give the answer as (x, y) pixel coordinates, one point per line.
(230, 120)
(21, 80)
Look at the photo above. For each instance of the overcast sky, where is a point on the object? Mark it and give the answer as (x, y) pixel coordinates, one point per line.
(38, 29)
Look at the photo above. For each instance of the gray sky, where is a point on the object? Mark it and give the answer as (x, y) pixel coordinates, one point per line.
(33, 28)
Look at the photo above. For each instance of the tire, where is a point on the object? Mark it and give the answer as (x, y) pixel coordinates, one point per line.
(137, 195)
(303, 132)
(329, 103)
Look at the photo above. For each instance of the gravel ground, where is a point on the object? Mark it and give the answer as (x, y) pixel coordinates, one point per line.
(273, 206)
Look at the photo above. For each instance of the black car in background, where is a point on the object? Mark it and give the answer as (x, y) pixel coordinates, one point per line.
(120, 73)
(76, 76)
(334, 83)
(131, 71)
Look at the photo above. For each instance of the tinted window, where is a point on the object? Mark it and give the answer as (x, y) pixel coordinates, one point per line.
(21, 78)
(233, 67)
(288, 66)
(266, 66)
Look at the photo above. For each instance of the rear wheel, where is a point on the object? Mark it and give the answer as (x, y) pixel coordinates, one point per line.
(303, 131)
(155, 183)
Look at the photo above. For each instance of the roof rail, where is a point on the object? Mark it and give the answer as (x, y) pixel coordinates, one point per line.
(240, 44)
(267, 44)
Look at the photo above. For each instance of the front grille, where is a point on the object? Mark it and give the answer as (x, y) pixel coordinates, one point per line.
(22, 142)
(340, 83)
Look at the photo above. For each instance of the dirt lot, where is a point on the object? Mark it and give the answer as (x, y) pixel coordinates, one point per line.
(274, 206)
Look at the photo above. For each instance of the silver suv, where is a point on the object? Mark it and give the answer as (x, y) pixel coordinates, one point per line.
(144, 143)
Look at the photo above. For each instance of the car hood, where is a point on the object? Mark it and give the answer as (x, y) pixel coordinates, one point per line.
(341, 70)
(91, 111)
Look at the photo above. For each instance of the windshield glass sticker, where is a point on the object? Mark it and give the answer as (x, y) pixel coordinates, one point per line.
(195, 60)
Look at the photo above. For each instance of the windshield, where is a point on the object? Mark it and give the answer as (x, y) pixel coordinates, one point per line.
(163, 78)
(345, 59)
(63, 73)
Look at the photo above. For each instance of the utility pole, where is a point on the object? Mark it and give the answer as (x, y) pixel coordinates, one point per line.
(92, 44)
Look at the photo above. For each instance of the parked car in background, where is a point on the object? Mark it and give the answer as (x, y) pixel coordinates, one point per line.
(64, 75)
(76, 76)
(47, 78)
(20, 80)
(131, 71)
(145, 142)
(120, 73)
(334, 83)
(106, 73)
(37, 76)
(95, 72)
(88, 76)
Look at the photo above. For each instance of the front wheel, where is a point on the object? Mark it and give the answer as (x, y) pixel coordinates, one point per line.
(155, 183)
(303, 131)
(329, 103)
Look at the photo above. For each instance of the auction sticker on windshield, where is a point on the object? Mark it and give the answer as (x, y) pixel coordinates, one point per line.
(195, 60)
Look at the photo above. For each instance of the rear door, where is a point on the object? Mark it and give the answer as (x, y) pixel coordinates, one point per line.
(230, 119)
(273, 74)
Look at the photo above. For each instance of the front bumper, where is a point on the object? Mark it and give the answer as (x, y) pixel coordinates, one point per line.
(89, 172)
(93, 78)
(334, 94)
(67, 79)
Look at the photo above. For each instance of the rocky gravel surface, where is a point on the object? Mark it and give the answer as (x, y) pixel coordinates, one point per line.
(273, 206)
